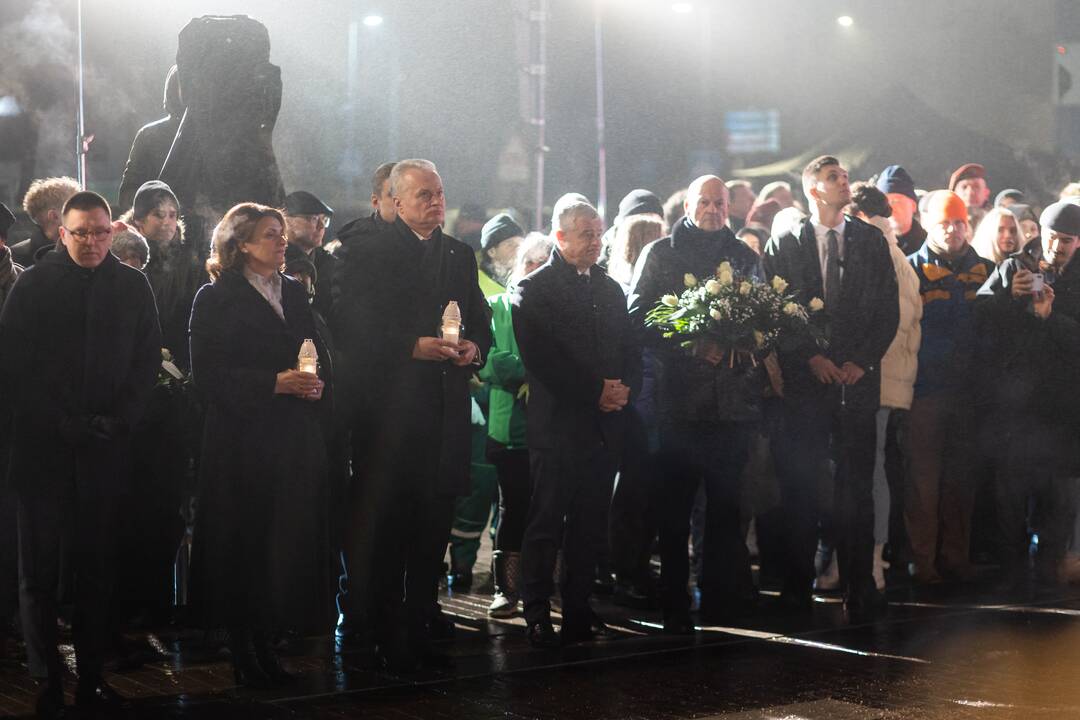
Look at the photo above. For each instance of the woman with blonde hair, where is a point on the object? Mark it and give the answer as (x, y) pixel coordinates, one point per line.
(999, 235)
(262, 557)
(631, 237)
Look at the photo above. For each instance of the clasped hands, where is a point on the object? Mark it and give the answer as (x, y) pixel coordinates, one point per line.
(435, 349)
(1023, 284)
(826, 371)
(304, 385)
(614, 396)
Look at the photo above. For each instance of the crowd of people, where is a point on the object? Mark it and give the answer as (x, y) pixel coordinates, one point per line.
(158, 394)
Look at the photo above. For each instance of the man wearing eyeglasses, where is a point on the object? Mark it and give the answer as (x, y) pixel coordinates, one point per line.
(306, 220)
(79, 352)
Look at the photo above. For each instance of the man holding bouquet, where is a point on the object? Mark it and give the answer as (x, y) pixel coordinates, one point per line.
(708, 396)
(832, 393)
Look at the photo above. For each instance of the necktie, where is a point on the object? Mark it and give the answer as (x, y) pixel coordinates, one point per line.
(832, 270)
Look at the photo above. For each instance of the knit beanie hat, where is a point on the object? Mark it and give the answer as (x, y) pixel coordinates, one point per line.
(945, 205)
(895, 179)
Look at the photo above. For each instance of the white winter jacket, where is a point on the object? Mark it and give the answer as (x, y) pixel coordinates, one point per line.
(901, 361)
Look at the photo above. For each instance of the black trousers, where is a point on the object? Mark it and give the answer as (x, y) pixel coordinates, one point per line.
(813, 433)
(515, 490)
(635, 506)
(9, 556)
(1030, 468)
(715, 456)
(410, 530)
(83, 519)
(569, 509)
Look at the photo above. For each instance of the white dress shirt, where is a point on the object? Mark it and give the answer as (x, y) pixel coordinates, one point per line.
(269, 288)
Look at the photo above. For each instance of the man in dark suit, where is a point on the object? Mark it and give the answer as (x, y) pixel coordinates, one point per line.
(832, 393)
(581, 362)
(705, 405)
(79, 351)
(396, 285)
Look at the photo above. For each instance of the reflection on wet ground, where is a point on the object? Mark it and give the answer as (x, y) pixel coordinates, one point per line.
(941, 652)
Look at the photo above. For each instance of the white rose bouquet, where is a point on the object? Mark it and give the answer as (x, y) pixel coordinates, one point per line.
(740, 314)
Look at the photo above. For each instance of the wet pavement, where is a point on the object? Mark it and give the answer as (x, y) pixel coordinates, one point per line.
(941, 652)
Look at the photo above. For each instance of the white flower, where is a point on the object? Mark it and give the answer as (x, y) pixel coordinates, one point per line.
(715, 314)
(689, 280)
(713, 287)
(724, 267)
(759, 338)
(816, 305)
(779, 284)
(791, 308)
(744, 288)
(670, 300)
(725, 276)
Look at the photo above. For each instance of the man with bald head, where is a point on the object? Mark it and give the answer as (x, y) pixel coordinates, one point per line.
(414, 385)
(705, 402)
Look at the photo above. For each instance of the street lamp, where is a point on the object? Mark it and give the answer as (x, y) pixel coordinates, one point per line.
(845, 21)
(373, 20)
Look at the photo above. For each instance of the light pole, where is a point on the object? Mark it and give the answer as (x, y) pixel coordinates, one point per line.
(601, 148)
(82, 143)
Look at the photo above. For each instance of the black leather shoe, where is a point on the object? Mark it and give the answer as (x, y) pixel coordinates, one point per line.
(678, 624)
(270, 664)
(460, 581)
(542, 635)
(246, 669)
(395, 659)
(96, 697)
(441, 627)
(795, 602)
(633, 596)
(50, 702)
(866, 606)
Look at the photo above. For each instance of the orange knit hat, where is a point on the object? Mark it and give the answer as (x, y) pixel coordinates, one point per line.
(945, 205)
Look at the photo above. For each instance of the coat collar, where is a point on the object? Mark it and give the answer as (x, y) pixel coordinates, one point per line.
(685, 232)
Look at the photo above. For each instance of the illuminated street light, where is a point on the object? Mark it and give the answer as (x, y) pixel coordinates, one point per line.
(682, 8)
(373, 20)
(845, 21)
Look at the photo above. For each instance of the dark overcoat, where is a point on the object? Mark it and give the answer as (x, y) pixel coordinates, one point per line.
(261, 545)
(76, 342)
(393, 290)
(573, 334)
(860, 330)
(1026, 368)
(689, 389)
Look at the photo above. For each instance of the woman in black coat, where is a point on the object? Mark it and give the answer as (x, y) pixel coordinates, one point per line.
(261, 544)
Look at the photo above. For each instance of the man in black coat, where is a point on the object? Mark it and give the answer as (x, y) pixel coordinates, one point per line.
(356, 423)
(832, 394)
(705, 404)
(581, 362)
(1028, 356)
(307, 218)
(152, 143)
(396, 286)
(79, 352)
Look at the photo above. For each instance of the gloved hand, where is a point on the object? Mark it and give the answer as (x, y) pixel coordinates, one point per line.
(107, 427)
(75, 430)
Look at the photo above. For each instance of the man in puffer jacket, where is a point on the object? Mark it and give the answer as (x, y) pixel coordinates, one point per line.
(898, 371)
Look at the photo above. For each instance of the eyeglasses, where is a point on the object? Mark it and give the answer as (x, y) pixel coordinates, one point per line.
(82, 233)
(323, 220)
